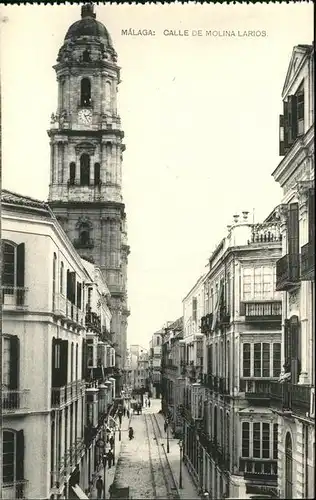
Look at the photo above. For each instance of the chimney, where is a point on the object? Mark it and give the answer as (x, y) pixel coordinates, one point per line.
(245, 216)
(236, 217)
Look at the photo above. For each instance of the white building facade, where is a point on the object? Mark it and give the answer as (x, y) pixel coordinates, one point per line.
(296, 280)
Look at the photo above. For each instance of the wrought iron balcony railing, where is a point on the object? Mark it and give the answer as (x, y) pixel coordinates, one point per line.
(14, 490)
(206, 323)
(260, 468)
(15, 400)
(295, 398)
(255, 311)
(255, 389)
(287, 272)
(14, 297)
(308, 262)
(63, 395)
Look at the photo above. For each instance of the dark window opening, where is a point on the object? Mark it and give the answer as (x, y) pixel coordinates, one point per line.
(97, 169)
(85, 169)
(288, 467)
(86, 55)
(85, 92)
(72, 173)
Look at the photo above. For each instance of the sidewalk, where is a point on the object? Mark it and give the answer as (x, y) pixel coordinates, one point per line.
(189, 490)
(110, 473)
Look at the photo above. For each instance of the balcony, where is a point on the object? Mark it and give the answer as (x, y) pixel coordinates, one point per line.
(93, 321)
(73, 313)
(14, 298)
(259, 469)
(61, 396)
(308, 262)
(224, 316)
(215, 383)
(294, 398)
(287, 272)
(213, 448)
(206, 323)
(256, 390)
(255, 312)
(15, 401)
(63, 308)
(78, 243)
(14, 490)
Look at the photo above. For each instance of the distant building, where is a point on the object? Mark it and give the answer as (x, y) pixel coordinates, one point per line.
(155, 363)
(172, 375)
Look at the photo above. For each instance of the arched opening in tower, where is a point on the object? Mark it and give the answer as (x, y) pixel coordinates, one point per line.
(97, 173)
(85, 169)
(85, 94)
(72, 173)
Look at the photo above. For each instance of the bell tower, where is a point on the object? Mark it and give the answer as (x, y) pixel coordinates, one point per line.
(85, 190)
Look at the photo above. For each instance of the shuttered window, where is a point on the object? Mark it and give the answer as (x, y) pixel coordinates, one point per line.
(293, 229)
(245, 439)
(13, 456)
(246, 360)
(311, 216)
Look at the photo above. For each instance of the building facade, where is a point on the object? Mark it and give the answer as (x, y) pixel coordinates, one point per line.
(154, 365)
(172, 380)
(295, 280)
(85, 189)
(231, 432)
(45, 399)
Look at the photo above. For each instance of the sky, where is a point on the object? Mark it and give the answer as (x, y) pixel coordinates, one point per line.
(201, 122)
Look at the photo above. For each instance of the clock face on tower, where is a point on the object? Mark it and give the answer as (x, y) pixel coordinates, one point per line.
(85, 116)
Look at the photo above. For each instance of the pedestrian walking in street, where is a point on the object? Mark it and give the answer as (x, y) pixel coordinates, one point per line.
(130, 433)
(149, 403)
(99, 486)
(146, 403)
(127, 413)
(110, 458)
(111, 441)
(124, 411)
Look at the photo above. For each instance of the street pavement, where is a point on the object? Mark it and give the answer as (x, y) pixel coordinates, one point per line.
(132, 465)
(189, 490)
(110, 473)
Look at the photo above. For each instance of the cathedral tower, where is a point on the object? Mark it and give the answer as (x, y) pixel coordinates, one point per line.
(85, 189)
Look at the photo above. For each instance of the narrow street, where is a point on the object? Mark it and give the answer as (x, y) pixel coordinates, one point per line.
(143, 463)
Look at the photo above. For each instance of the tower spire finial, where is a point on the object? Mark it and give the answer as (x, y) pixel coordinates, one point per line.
(87, 10)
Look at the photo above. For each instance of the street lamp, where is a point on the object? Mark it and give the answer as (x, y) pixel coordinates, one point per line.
(199, 462)
(180, 474)
(168, 449)
(104, 475)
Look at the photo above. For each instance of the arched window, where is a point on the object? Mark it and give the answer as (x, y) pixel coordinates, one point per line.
(72, 173)
(86, 55)
(85, 99)
(85, 169)
(108, 91)
(97, 169)
(288, 466)
(84, 234)
(215, 424)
